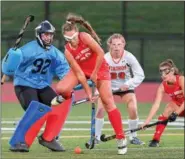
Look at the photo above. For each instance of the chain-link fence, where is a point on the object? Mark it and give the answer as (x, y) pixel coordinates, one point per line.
(154, 31)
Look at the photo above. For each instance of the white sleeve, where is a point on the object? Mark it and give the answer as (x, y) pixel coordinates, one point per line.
(136, 70)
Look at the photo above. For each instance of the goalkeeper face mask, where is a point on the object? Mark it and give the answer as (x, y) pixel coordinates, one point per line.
(44, 33)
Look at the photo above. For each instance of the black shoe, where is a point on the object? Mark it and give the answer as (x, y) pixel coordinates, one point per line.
(20, 147)
(53, 145)
(153, 143)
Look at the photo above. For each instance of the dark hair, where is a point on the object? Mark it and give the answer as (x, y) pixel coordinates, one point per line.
(170, 64)
(71, 21)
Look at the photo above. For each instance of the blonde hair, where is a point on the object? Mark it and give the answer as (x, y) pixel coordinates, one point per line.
(170, 64)
(71, 21)
(115, 36)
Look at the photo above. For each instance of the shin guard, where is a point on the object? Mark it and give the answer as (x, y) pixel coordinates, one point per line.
(56, 119)
(116, 122)
(160, 128)
(30, 124)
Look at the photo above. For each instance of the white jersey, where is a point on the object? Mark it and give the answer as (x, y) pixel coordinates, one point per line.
(126, 71)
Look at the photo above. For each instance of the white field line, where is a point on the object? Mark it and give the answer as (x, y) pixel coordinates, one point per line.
(5, 130)
(146, 148)
(177, 123)
(141, 118)
(87, 136)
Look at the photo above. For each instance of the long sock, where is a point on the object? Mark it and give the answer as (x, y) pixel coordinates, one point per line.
(32, 133)
(116, 122)
(98, 127)
(132, 124)
(67, 96)
(59, 134)
(56, 120)
(159, 128)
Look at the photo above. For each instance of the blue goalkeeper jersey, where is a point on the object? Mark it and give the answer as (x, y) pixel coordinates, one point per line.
(38, 66)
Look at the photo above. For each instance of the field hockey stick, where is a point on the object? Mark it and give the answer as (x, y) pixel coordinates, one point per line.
(105, 138)
(90, 144)
(80, 87)
(28, 19)
(80, 101)
(84, 100)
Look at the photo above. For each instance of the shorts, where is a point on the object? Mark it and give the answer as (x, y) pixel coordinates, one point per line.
(182, 114)
(26, 94)
(101, 75)
(122, 93)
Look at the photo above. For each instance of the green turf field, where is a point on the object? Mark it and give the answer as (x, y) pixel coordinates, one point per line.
(76, 133)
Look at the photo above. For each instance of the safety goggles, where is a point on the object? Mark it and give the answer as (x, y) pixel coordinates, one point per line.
(70, 38)
(164, 71)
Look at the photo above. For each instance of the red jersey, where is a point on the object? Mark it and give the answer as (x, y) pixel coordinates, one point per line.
(86, 59)
(175, 91)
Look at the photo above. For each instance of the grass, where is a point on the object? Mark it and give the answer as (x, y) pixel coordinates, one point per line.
(172, 143)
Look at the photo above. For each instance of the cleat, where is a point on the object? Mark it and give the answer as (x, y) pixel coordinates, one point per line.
(136, 141)
(96, 142)
(57, 100)
(122, 146)
(153, 143)
(20, 147)
(52, 145)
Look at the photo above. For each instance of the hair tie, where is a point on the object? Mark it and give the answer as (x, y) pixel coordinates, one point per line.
(69, 22)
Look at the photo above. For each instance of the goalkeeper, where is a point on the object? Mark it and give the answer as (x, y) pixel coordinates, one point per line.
(38, 62)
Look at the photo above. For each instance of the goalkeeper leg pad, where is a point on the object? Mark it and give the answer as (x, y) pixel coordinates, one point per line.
(30, 124)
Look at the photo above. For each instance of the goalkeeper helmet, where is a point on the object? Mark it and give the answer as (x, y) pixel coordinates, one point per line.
(44, 27)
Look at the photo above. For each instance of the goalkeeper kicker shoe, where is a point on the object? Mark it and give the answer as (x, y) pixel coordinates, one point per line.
(53, 145)
(153, 143)
(122, 146)
(20, 147)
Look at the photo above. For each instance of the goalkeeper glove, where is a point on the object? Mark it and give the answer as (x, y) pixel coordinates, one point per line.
(173, 116)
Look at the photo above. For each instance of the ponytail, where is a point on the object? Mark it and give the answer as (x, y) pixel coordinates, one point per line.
(72, 19)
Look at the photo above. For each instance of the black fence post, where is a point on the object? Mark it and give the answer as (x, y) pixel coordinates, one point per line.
(124, 18)
(142, 58)
(47, 9)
